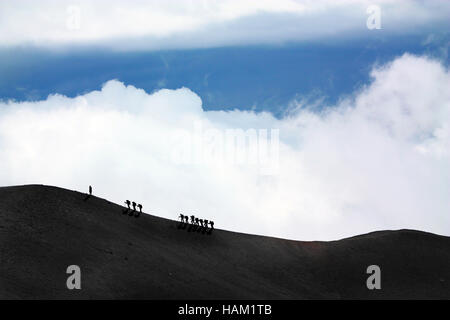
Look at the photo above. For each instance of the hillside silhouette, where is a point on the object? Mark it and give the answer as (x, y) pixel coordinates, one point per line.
(45, 229)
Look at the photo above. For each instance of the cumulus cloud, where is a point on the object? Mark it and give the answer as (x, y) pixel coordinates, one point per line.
(131, 25)
(377, 160)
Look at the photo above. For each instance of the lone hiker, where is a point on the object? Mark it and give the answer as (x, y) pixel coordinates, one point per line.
(90, 190)
(140, 207)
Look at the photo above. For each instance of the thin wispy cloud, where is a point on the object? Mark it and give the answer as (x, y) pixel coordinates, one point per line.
(149, 25)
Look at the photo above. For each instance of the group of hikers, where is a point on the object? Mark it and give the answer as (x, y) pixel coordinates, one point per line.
(194, 221)
(134, 211)
(184, 219)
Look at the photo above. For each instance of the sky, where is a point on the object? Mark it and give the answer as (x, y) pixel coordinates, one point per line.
(307, 120)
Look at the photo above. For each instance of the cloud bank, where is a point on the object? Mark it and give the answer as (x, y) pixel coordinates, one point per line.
(377, 160)
(133, 25)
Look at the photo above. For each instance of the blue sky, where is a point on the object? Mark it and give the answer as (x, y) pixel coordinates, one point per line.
(260, 77)
(233, 54)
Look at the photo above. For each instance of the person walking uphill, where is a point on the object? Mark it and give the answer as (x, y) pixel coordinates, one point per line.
(137, 214)
(88, 195)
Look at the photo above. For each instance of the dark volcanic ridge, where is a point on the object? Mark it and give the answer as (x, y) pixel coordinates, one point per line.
(45, 229)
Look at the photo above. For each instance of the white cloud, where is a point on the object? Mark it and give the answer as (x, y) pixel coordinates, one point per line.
(131, 25)
(379, 160)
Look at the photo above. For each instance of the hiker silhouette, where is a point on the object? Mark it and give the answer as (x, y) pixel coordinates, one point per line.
(196, 221)
(138, 213)
(181, 224)
(131, 210)
(210, 230)
(127, 202)
(88, 195)
(192, 219)
(186, 218)
(205, 223)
